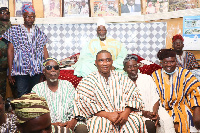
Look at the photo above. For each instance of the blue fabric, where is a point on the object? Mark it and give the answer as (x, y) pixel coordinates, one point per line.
(25, 83)
(28, 8)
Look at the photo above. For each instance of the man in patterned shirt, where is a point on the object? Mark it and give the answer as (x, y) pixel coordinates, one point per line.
(109, 100)
(34, 120)
(59, 95)
(184, 59)
(26, 52)
(4, 25)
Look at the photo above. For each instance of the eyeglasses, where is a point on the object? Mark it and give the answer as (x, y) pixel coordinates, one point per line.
(50, 67)
(5, 12)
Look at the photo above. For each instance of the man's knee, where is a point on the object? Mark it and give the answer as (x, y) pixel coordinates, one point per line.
(81, 128)
(150, 126)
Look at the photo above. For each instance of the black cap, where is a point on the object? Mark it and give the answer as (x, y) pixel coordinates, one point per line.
(4, 8)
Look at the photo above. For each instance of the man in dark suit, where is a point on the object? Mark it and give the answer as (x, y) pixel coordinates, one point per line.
(130, 7)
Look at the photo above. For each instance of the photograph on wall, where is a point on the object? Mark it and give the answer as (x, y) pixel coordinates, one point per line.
(3, 3)
(191, 32)
(130, 7)
(52, 8)
(156, 6)
(175, 5)
(76, 8)
(18, 6)
(101, 8)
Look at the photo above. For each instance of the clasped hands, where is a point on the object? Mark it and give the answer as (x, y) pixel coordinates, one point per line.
(118, 117)
(152, 116)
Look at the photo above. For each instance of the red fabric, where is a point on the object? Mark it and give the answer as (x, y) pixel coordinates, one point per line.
(69, 75)
(147, 69)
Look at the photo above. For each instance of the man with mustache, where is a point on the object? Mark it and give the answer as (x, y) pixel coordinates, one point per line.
(109, 100)
(59, 95)
(86, 61)
(179, 92)
(26, 52)
(184, 59)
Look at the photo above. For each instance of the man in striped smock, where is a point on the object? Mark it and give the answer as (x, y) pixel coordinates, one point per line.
(59, 95)
(26, 52)
(179, 92)
(109, 100)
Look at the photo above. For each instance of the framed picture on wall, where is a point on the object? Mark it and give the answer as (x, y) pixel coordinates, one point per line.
(52, 8)
(175, 5)
(4, 3)
(130, 7)
(157, 6)
(101, 8)
(76, 8)
(18, 6)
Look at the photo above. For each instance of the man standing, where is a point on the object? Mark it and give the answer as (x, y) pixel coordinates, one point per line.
(108, 98)
(4, 25)
(59, 95)
(86, 61)
(26, 52)
(184, 59)
(179, 92)
(147, 88)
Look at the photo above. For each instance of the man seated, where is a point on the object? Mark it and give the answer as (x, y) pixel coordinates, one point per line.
(179, 92)
(184, 59)
(147, 88)
(109, 100)
(86, 61)
(33, 115)
(59, 95)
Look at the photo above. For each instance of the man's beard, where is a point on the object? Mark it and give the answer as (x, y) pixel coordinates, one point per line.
(53, 80)
(102, 37)
(133, 76)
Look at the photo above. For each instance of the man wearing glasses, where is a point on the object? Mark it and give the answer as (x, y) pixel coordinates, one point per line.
(26, 52)
(4, 25)
(59, 95)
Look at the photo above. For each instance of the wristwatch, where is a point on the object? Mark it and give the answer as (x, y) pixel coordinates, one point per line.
(80, 118)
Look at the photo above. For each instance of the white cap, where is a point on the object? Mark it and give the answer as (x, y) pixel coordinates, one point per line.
(101, 21)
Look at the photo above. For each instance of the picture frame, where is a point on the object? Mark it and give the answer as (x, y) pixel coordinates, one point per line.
(131, 7)
(52, 8)
(75, 8)
(4, 3)
(100, 8)
(18, 6)
(157, 6)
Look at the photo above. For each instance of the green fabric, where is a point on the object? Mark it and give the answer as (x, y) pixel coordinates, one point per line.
(3, 45)
(86, 61)
(3, 58)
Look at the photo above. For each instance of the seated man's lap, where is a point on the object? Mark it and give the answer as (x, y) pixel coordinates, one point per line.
(98, 124)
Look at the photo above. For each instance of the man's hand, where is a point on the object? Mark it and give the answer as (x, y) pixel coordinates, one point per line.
(112, 116)
(69, 124)
(151, 115)
(11, 79)
(123, 116)
(56, 124)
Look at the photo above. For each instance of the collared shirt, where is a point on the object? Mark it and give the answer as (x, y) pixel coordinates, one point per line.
(28, 49)
(60, 102)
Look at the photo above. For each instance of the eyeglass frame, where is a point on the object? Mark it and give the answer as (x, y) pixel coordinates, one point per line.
(50, 67)
(4, 12)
